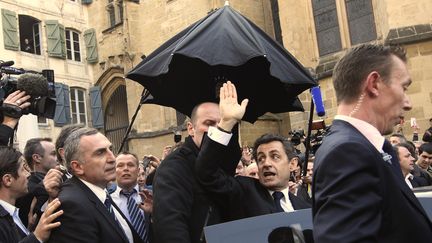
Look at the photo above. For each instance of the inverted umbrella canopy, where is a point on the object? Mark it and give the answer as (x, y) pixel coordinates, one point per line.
(189, 68)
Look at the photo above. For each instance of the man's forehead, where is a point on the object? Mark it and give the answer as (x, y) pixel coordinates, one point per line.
(426, 154)
(125, 158)
(95, 141)
(273, 146)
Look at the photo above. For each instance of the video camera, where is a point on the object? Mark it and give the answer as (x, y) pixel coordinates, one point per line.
(40, 87)
(317, 138)
(296, 136)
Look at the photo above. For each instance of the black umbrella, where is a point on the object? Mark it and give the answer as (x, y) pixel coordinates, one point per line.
(190, 67)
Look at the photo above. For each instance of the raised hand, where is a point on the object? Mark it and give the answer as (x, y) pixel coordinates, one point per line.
(146, 201)
(46, 224)
(231, 111)
(52, 182)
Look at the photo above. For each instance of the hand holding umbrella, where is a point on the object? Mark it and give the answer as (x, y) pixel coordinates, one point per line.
(231, 111)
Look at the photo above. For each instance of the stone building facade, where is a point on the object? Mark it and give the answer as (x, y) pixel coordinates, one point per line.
(342, 24)
(114, 35)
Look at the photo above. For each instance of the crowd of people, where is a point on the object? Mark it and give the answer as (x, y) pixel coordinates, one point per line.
(359, 183)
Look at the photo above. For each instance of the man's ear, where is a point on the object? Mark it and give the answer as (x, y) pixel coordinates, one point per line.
(36, 158)
(7, 180)
(373, 83)
(77, 167)
(61, 152)
(190, 129)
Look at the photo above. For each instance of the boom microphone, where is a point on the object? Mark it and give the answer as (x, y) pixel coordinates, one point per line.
(6, 64)
(34, 85)
(12, 70)
(317, 99)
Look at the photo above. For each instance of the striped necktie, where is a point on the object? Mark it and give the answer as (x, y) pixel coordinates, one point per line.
(136, 216)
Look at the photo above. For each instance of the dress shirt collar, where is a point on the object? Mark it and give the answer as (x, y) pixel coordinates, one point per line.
(408, 179)
(370, 132)
(8, 207)
(99, 192)
(119, 189)
(14, 213)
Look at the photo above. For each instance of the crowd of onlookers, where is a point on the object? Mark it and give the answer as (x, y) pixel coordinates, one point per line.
(46, 164)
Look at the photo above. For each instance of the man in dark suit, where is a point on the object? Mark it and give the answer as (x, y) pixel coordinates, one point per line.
(41, 157)
(241, 196)
(13, 184)
(181, 207)
(359, 194)
(90, 215)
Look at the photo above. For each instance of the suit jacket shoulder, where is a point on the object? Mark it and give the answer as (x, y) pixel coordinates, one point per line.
(82, 208)
(357, 196)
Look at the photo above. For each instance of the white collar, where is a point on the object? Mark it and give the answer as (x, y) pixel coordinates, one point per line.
(99, 192)
(8, 207)
(370, 132)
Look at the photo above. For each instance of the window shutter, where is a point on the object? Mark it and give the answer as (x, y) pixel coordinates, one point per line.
(63, 40)
(86, 1)
(56, 39)
(91, 45)
(10, 30)
(62, 112)
(96, 107)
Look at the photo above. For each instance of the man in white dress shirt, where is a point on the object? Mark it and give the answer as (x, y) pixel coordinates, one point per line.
(127, 193)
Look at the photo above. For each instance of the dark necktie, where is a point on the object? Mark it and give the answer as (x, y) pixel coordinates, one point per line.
(108, 205)
(391, 157)
(136, 216)
(277, 196)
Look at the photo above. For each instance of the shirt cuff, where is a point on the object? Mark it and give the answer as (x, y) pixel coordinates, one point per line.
(219, 136)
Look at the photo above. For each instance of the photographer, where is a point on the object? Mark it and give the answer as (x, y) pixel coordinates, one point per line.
(17, 99)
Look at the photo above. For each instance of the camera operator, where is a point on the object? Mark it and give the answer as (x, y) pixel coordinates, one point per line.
(17, 100)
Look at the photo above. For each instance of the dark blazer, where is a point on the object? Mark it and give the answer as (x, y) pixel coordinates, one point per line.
(35, 189)
(359, 197)
(240, 196)
(85, 218)
(302, 193)
(11, 233)
(6, 133)
(181, 207)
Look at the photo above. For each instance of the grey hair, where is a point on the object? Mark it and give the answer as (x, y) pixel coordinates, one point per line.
(72, 144)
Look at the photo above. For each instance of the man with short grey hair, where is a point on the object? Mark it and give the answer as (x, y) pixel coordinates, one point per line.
(84, 198)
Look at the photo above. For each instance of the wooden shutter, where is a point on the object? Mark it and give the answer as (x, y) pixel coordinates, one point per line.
(62, 114)
(56, 39)
(91, 45)
(10, 30)
(96, 107)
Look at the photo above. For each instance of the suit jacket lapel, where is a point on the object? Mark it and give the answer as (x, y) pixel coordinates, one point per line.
(100, 207)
